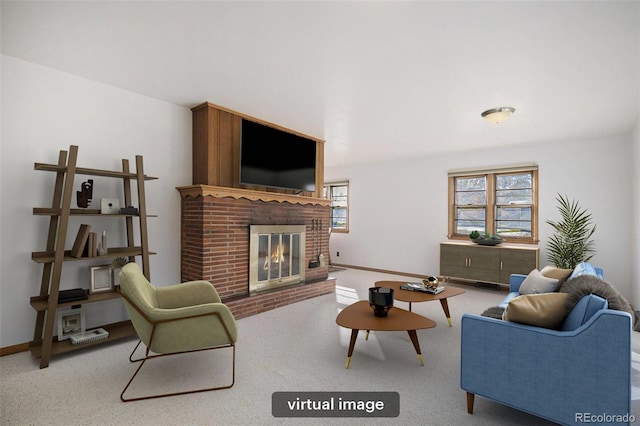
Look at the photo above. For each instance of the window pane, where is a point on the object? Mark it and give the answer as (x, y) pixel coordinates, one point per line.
(339, 195)
(471, 198)
(339, 217)
(470, 219)
(514, 196)
(477, 183)
(514, 221)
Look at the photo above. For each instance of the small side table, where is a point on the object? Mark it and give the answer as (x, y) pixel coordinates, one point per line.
(359, 316)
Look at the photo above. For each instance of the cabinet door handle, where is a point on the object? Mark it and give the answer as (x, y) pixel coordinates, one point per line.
(501, 265)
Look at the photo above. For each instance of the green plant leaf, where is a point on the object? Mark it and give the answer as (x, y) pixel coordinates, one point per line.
(571, 243)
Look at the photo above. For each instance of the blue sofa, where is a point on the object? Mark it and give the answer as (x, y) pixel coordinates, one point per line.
(580, 373)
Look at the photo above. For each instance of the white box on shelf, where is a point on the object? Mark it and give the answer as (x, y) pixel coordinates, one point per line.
(109, 206)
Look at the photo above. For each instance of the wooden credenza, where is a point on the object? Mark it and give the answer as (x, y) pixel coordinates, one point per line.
(487, 264)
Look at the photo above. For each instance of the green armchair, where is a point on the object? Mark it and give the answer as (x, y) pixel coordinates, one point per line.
(176, 319)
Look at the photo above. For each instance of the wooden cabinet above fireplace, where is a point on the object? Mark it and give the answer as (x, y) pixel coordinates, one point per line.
(216, 149)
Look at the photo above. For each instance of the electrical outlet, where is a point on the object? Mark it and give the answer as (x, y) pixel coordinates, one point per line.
(337, 254)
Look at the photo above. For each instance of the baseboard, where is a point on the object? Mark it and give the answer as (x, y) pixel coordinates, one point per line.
(384, 271)
(14, 349)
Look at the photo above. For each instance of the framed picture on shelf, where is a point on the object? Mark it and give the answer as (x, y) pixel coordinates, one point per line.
(70, 321)
(101, 279)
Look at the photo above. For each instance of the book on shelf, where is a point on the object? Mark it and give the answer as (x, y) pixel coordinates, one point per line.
(93, 248)
(81, 240)
(421, 287)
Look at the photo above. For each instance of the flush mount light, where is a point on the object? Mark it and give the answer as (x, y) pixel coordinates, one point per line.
(498, 115)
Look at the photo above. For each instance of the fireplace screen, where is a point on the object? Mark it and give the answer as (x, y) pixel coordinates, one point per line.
(276, 256)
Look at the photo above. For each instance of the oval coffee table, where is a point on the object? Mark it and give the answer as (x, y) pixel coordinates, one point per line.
(359, 316)
(420, 296)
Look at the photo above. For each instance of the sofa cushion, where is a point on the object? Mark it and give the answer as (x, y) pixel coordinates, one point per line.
(582, 311)
(546, 310)
(536, 283)
(558, 273)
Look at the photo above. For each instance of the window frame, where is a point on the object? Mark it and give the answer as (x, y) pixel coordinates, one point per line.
(490, 205)
(328, 195)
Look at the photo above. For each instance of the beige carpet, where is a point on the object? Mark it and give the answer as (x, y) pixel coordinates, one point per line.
(298, 348)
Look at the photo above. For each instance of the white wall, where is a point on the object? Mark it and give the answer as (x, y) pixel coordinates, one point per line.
(398, 211)
(44, 111)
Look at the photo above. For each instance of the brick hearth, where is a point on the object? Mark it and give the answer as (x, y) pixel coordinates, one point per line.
(215, 243)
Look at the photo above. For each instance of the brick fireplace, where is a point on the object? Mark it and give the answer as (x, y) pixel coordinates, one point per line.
(215, 239)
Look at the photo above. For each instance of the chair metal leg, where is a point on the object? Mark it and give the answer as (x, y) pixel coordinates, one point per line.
(149, 357)
(134, 351)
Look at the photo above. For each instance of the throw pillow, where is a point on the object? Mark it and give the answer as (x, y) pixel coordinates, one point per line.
(582, 285)
(536, 283)
(584, 268)
(546, 310)
(558, 273)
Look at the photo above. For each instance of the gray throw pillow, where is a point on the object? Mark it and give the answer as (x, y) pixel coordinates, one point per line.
(536, 283)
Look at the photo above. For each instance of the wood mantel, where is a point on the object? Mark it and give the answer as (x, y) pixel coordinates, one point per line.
(238, 193)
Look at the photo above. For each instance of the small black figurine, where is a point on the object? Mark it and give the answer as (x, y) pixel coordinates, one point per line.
(86, 194)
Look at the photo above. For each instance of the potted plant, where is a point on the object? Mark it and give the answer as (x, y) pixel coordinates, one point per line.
(571, 243)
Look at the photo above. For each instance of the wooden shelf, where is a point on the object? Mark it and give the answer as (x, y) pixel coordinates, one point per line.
(54, 256)
(89, 172)
(118, 330)
(46, 211)
(41, 303)
(48, 257)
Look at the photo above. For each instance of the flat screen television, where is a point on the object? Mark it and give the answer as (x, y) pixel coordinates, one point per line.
(275, 158)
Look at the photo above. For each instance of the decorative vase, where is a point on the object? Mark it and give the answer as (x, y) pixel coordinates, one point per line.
(380, 300)
(431, 282)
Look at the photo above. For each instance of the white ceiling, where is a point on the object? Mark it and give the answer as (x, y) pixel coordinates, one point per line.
(377, 80)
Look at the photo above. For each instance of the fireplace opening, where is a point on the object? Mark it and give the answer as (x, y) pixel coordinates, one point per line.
(276, 256)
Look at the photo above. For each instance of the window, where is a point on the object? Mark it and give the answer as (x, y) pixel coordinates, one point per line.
(338, 193)
(497, 201)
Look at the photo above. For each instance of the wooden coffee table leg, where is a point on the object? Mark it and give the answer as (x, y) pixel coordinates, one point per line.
(352, 344)
(445, 308)
(414, 339)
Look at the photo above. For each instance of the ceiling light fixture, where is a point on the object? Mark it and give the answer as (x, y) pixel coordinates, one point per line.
(498, 115)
